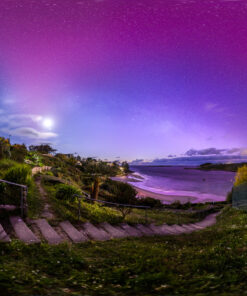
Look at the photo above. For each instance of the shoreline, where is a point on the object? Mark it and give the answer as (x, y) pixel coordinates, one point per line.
(166, 198)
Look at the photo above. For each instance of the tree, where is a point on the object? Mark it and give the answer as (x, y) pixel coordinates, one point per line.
(125, 167)
(18, 152)
(95, 188)
(43, 148)
(4, 148)
(122, 193)
(241, 176)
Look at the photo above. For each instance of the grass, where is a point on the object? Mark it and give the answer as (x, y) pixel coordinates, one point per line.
(34, 201)
(97, 213)
(209, 262)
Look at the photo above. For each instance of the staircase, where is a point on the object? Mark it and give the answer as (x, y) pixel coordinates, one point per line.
(39, 230)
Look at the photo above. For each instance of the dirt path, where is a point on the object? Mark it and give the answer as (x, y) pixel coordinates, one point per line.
(47, 212)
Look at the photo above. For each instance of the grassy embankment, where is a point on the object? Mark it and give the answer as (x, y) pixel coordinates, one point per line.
(209, 262)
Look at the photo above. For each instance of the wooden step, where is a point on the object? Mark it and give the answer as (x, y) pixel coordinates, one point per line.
(75, 235)
(3, 235)
(22, 231)
(113, 231)
(132, 231)
(48, 232)
(95, 233)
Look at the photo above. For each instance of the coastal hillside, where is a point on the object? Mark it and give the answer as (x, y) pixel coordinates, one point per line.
(56, 182)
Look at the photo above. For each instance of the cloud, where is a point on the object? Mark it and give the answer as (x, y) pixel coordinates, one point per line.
(208, 151)
(216, 108)
(23, 126)
(196, 157)
(29, 132)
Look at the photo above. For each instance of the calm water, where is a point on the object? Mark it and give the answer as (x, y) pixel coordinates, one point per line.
(203, 185)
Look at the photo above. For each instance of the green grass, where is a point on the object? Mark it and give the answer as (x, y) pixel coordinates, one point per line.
(209, 262)
(34, 201)
(96, 213)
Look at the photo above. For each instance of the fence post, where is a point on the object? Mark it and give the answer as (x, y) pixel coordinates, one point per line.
(22, 197)
(79, 208)
(25, 200)
(146, 216)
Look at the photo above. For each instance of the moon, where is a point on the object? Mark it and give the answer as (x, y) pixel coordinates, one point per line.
(47, 123)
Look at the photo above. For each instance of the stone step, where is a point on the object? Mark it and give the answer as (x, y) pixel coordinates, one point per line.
(75, 235)
(132, 231)
(145, 229)
(113, 231)
(156, 229)
(178, 229)
(48, 232)
(4, 236)
(189, 228)
(168, 230)
(22, 231)
(95, 233)
(9, 208)
(208, 221)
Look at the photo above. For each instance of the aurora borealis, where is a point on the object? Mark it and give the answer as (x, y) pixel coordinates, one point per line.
(122, 78)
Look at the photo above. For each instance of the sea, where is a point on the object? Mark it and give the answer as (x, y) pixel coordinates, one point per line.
(202, 185)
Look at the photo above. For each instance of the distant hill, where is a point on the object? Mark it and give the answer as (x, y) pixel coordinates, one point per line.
(230, 167)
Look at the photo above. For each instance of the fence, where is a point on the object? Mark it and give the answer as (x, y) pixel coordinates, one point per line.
(108, 203)
(10, 196)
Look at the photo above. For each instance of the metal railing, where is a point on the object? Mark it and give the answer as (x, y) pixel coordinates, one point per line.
(24, 190)
(107, 203)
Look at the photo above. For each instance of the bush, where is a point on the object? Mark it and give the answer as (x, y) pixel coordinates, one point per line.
(66, 192)
(241, 176)
(229, 197)
(6, 164)
(150, 202)
(20, 174)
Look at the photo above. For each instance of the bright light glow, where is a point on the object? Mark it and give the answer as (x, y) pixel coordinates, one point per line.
(47, 123)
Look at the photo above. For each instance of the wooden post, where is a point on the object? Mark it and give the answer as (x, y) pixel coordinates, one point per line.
(24, 201)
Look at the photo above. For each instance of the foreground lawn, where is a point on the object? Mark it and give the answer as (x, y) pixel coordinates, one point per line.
(210, 262)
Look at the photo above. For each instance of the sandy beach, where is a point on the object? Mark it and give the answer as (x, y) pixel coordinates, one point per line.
(166, 198)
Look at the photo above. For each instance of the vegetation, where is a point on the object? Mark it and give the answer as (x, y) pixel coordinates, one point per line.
(18, 152)
(231, 167)
(67, 192)
(19, 173)
(208, 262)
(241, 176)
(43, 148)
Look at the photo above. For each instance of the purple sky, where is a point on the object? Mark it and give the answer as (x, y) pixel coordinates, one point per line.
(122, 78)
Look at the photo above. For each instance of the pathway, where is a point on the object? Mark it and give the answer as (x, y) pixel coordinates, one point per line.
(47, 210)
(39, 230)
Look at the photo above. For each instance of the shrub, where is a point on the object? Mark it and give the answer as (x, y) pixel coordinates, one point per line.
(66, 192)
(20, 174)
(150, 202)
(6, 164)
(18, 152)
(241, 176)
(52, 180)
(229, 197)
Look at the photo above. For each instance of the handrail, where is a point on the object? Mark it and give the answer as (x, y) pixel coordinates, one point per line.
(12, 183)
(86, 196)
(24, 190)
(112, 203)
